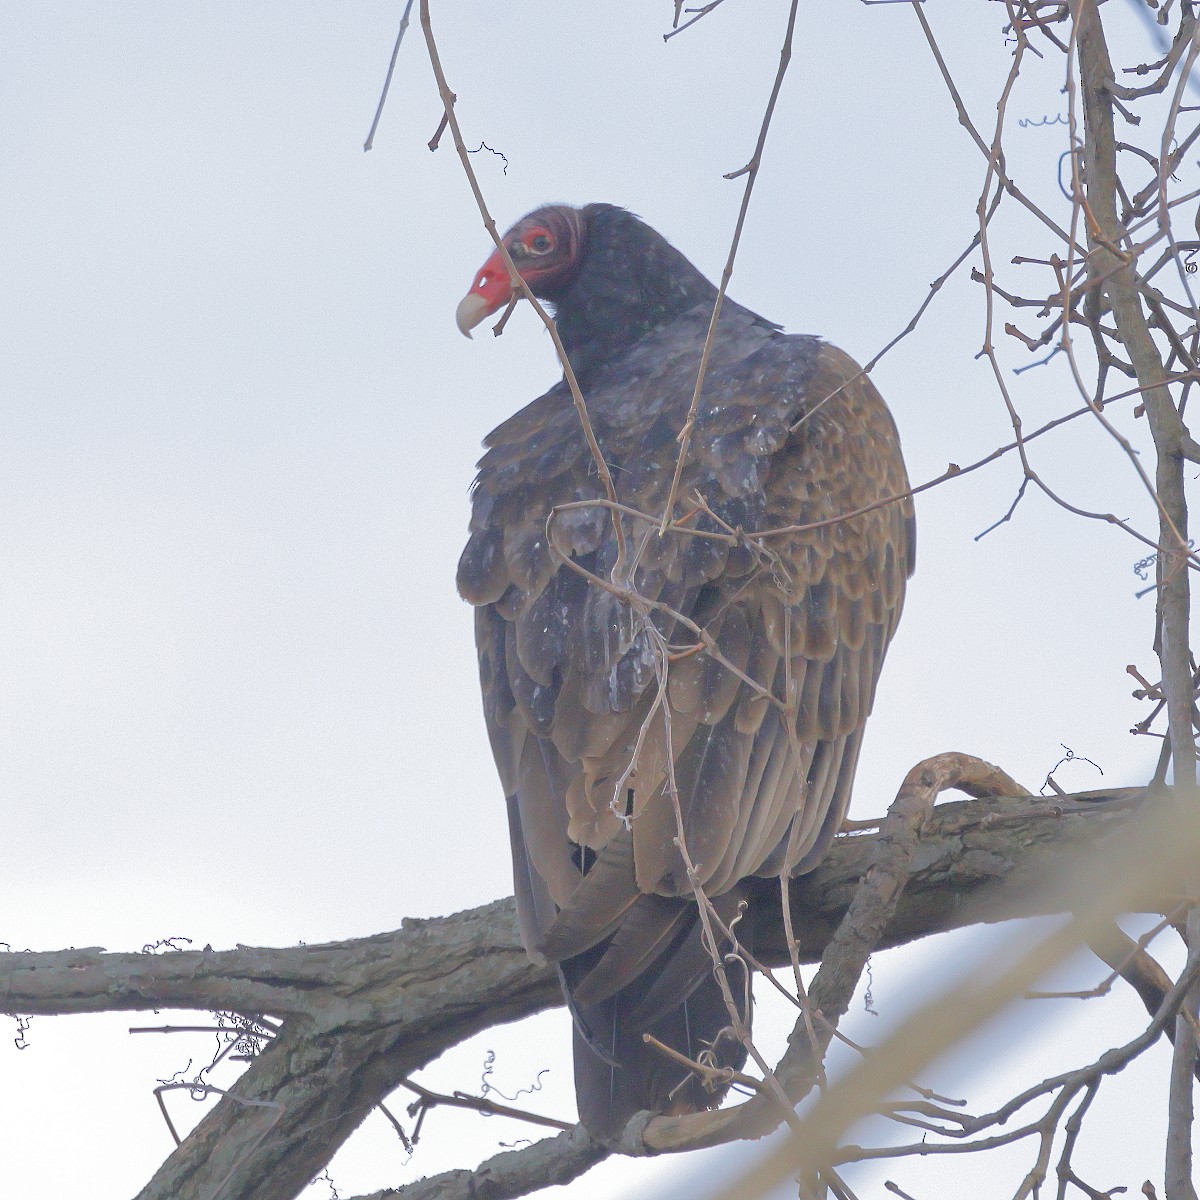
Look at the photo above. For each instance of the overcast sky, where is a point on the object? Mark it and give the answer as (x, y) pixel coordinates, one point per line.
(238, 694)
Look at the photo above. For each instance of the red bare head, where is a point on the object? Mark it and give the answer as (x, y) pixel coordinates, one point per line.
(546, 248)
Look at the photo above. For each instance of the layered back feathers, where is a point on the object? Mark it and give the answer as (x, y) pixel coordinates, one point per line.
(758, 730)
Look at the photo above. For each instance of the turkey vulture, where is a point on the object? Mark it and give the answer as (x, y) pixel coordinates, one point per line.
(755, 725)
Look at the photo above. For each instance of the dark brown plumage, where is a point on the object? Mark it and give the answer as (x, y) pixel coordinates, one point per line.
(788, 433)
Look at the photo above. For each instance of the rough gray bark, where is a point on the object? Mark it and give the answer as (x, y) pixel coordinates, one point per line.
(360, 1015)
(513, 1173)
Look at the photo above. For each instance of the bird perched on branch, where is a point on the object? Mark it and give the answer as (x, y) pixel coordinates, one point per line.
(672, 712)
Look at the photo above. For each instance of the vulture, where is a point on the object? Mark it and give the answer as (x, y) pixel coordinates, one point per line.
(702, 689)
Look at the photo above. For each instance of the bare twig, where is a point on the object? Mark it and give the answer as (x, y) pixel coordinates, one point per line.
(450, 121)
(427, 1099)
(387, 81)
(750, 170)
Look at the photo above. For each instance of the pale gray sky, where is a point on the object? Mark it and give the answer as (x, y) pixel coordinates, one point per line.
(238, 425)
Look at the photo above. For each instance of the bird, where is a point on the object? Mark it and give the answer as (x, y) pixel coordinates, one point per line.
(674, 707)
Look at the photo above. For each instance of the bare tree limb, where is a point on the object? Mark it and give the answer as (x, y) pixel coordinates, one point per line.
(1178, 1169)
(468, 962)
(362, 1015)
(1170, 436)
(476, 959)
(555, 1160)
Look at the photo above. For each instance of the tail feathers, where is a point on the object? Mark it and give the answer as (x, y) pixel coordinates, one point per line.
(687, 965)
(617, 1074)
(650, 928)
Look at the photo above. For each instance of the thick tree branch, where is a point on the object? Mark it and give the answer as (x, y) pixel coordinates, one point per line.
(386, 1007)
(361, 1015)
(467, 961)
(513, 1173)
(474, 959)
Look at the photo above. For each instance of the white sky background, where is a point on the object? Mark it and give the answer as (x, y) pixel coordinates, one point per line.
(238, 697)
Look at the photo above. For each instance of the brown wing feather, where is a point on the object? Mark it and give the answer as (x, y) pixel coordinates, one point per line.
(760, 738)
(595, 908)
(645, 933)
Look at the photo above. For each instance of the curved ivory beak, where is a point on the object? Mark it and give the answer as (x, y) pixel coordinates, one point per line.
(472, 309)
(491, 291)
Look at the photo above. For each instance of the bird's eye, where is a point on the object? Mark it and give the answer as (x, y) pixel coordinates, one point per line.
(541, 244)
